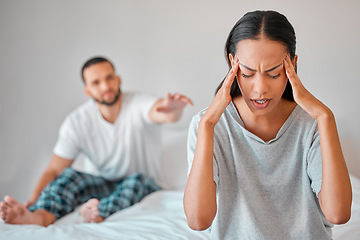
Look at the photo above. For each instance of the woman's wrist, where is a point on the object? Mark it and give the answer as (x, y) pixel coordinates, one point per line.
(207, 123)
(325, 114)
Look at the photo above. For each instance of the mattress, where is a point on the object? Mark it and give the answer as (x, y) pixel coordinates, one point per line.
(159, 215)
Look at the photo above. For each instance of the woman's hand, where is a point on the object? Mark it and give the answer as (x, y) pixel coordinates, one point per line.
(200, 192)
(301, 95)
(335, 195)
(222, 98)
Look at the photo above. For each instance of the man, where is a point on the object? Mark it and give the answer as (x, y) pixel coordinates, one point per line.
(119, 133)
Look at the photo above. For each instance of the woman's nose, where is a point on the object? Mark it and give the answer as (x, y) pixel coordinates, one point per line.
(260, 85)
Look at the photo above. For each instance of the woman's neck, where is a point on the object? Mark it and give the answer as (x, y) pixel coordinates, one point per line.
(266, 126)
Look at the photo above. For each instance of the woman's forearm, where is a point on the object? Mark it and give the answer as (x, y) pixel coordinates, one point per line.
(200, 192)
(336, 195)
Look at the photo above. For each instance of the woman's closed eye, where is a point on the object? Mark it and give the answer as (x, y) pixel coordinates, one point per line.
(272, 76)
(246, 76)
(275, 77)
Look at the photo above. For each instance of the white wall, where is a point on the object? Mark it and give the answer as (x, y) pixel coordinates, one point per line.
(157, 46)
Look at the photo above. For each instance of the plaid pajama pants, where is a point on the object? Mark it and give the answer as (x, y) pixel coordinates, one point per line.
(72, 188)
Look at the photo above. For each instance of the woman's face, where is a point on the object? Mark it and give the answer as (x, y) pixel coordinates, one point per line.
(262, 79)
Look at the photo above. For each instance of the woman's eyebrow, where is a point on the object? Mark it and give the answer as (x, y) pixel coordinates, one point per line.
(269, 70)
(247, 67)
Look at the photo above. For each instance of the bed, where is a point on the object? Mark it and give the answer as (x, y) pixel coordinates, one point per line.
(159, 215)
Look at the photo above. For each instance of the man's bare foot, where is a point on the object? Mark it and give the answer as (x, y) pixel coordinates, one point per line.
(13, 212)
(89, 211)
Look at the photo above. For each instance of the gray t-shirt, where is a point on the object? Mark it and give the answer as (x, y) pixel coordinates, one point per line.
(266, 190)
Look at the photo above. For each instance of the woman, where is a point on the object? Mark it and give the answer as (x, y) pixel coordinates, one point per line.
(265, 157)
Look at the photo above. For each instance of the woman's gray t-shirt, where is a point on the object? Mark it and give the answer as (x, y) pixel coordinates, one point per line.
(266, 190)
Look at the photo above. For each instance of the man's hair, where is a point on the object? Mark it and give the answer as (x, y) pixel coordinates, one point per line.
(93, 61)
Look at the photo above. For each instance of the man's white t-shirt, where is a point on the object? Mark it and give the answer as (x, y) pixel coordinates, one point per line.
(130, 145)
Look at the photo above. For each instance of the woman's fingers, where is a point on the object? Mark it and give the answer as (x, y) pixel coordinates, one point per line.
(291, 74)
(299, 90)
(223, 97)
(289, 68)
(301, 95)
(232, 73)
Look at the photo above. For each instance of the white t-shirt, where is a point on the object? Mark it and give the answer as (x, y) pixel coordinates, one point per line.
(128, 146)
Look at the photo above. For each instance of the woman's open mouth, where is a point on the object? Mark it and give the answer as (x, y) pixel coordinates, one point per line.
(261, 103)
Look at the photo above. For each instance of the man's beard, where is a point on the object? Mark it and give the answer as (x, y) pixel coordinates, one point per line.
(109, 103)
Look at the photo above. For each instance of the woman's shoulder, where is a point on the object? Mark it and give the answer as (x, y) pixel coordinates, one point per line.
(228, 120)
(196, 118)
(301, 121)
(230, 111)
(302, 116)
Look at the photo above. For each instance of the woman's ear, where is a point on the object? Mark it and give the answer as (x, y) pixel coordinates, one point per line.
(231, 58)
(294, 61)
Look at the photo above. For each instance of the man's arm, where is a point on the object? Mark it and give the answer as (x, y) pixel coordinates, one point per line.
(55, 167)
(169, 109)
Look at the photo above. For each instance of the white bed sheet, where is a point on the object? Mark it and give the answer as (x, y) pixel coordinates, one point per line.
(160, 215)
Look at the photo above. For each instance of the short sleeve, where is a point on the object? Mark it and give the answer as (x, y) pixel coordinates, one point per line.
(67, 145)
(191, 142)
(216, 171)
(191, 145)
(314, 164)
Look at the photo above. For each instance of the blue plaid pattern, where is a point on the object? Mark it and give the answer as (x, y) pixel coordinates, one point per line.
(72, 188)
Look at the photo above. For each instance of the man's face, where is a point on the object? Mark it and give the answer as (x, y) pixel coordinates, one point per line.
(101, 83)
